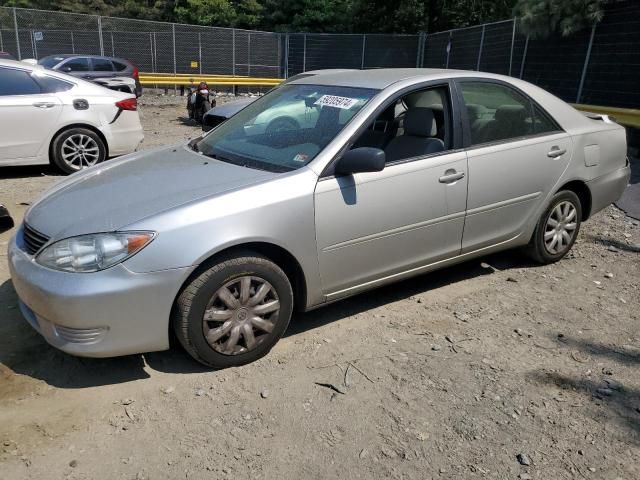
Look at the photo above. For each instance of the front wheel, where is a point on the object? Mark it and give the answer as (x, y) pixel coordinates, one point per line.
(557, 229)
(76, 149)
(234, 312)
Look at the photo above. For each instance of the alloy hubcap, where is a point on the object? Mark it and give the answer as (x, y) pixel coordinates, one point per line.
(80, 151)
(560, 228)
(240, 315)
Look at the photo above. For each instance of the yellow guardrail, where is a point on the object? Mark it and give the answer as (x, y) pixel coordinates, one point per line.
(625, 116)
(191, 79)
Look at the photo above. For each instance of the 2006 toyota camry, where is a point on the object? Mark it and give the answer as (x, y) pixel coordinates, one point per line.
(400, 172)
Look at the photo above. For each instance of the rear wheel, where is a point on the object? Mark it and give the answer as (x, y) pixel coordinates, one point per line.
(557, 228)
(76, 149)
(234, 312)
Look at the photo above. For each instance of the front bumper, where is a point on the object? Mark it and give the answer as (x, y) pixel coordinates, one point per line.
(103, 314)
(608, 188)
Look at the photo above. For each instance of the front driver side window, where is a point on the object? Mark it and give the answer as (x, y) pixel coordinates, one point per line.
(415, 125)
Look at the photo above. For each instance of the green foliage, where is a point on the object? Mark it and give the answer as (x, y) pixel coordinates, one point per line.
(539, 17)
(542, 18)
(205, 12)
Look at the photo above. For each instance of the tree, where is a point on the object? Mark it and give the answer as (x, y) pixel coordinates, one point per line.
(541, 18)
(217, 13)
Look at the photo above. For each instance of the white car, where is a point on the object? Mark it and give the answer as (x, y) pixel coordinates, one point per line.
(51, 117)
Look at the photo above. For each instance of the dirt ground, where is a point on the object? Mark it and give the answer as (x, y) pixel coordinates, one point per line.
(494, 369)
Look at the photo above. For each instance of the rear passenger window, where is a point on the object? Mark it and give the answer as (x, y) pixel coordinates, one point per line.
(541, 121)
(101, 65)
(497, 113)
(52, 85)
(119, 66)
(17, 82)
(76, 65)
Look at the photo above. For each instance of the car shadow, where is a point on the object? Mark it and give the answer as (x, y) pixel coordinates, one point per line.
(407, 288)
(29, 171)
(602, 392)
(23, 351)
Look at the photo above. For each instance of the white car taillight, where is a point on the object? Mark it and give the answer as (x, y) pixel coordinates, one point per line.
(127, 104)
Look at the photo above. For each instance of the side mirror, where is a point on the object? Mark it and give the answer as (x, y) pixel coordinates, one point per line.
(6, 222)
(66, 69)
(363, 159)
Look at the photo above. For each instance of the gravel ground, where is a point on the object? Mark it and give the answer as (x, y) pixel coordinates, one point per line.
(496, 368)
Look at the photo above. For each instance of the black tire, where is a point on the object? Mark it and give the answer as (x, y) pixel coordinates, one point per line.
(537, 248)
(191, 304)
(58, 146)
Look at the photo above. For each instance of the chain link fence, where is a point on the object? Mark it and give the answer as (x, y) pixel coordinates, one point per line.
(153, 46)
(597, 66)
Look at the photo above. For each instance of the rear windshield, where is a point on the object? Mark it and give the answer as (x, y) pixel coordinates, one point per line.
(285, 129)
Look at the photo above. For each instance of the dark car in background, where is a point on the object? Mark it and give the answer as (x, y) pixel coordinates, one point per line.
(92, 67)
(6, 222)
(6, 56)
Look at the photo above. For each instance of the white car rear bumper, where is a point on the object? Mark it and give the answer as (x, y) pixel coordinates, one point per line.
(125, 134)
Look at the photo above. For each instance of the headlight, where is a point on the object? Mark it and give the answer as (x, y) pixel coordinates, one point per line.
(91, 253)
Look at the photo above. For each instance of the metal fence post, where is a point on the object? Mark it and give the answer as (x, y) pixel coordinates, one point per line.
(113, 46)
(480, 50)
(449, 49)
(524, 56)
(173, 31)
(364, 45)
(513, 39)
(100, 35)
(304, 53)
(233, 54)
(249, 54)
(73, 44)
(153, 68)
(279, 54)
(200, 51)
(34, 47)
(286, 56)
(155, 52)
(15, 23)
(586, 64)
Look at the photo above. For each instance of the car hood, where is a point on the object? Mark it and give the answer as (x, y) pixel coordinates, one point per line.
(231, 108)
(120, 192)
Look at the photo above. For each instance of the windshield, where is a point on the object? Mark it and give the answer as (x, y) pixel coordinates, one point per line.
(50, 62)
(285, 129)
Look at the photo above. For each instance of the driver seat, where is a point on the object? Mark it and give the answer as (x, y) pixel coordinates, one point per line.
(418, 138)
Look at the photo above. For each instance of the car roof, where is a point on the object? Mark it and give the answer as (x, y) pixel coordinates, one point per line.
(383, 77)
(70, 55)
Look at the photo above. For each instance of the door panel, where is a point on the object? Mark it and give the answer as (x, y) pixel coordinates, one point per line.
(371, 225)
(25, 122)
(507, 184)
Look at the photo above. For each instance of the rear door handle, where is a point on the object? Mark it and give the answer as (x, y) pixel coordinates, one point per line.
(556, 152)
(44, 104)
(451, 176)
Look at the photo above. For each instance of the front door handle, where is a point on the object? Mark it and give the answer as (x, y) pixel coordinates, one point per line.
(451, 176)
(556, 152)
(44, 104)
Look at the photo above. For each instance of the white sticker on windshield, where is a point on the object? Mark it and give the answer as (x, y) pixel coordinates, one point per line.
(337, 102)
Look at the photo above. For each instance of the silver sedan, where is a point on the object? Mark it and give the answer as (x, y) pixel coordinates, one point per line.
(400, 172)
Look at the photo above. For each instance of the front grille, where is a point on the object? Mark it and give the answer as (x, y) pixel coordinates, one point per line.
(33, 240)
